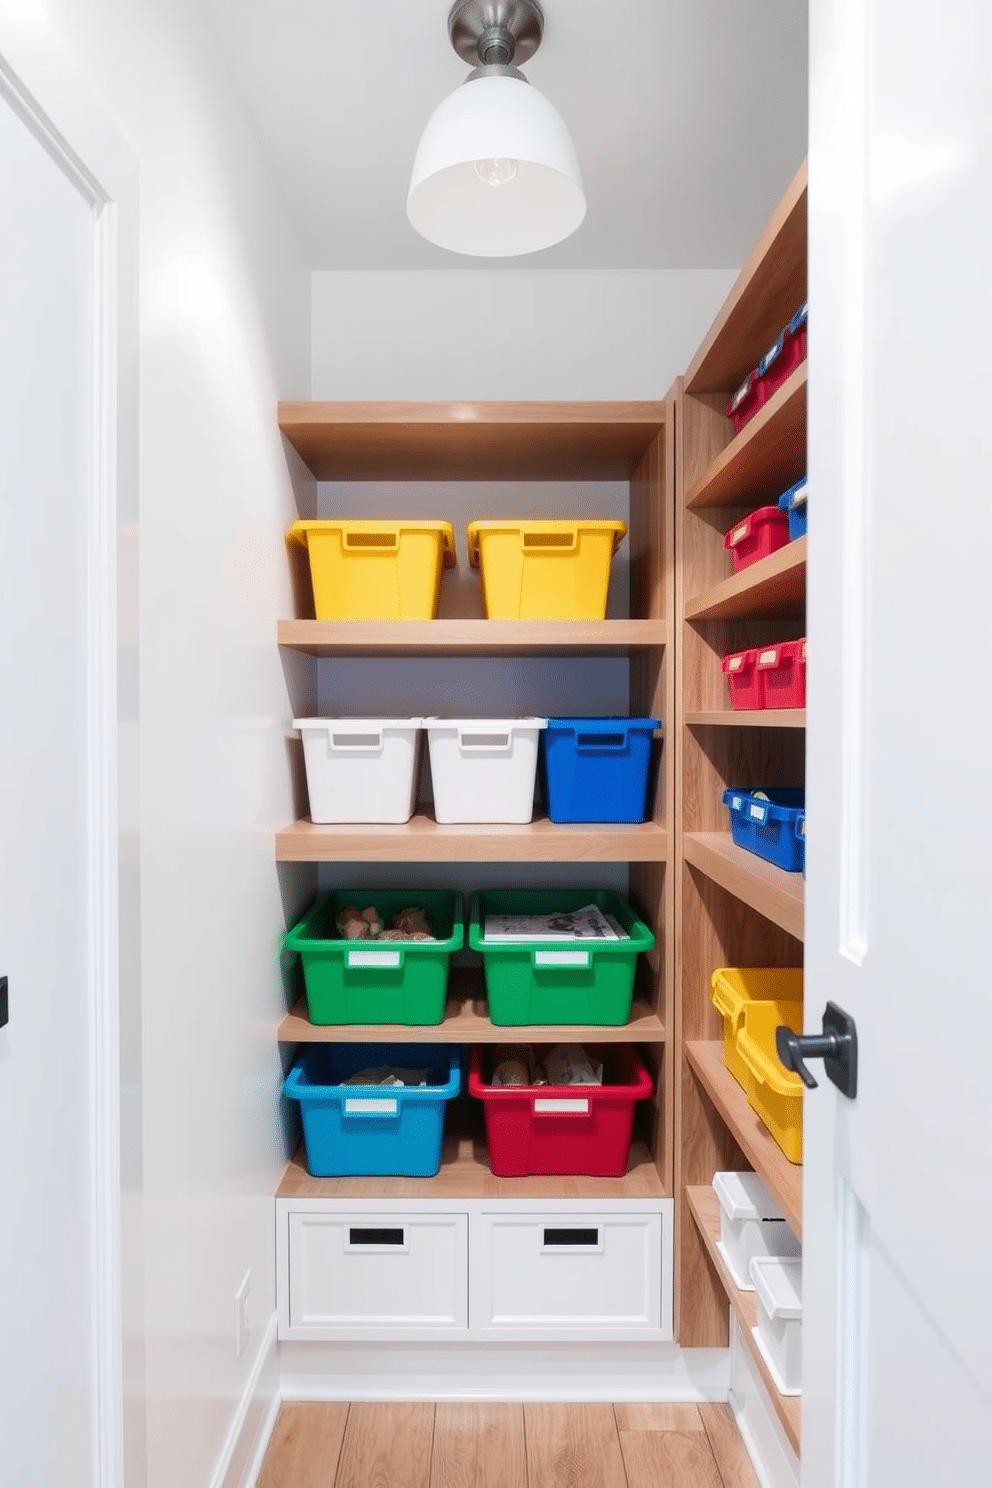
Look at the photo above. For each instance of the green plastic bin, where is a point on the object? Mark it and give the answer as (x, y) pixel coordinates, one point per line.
(551, 981)
(370, 981)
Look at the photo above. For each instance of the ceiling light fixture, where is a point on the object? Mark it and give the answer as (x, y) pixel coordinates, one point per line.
(495, 172)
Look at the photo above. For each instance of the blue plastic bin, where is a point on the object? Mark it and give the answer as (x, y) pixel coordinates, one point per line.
(597, 769)
(353, 1130)
(793, 501)
(801, 837)
(765, 823)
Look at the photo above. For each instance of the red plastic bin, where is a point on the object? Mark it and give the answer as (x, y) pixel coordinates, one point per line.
(747, 686)
(746, 401)
(782, 669)
(763, 532)
(785, 356)
(554, 1130)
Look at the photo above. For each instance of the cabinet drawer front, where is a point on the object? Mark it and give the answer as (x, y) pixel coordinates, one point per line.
(353, 1271)
(587, 1273)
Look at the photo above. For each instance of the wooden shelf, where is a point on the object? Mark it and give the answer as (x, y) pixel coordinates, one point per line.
(465, 1174)
(705, 1210)
(769, 587)
(471, 637)
(768, 455)
(466, 1021)
(777, 895)
(767, 293)
(423, 840)
(472, 441)
(790, 718)
(783, 1179)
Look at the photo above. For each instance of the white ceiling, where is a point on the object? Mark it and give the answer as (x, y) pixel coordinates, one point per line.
(688, 116)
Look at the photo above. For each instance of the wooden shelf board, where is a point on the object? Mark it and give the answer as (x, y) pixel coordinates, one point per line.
(768, 587)
(472, 441)
(471, 637)
(767, 293)
(767, 456)
(705, 1210)
(465, 1174)
(466, 1021)
(423, 840)
(783, 1179)
(793, 718)
(777, 895)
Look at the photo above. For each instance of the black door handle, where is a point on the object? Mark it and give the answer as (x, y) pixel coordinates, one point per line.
(837, 1046)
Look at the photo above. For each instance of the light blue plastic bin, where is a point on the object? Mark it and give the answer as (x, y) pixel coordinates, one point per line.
(378, 1130)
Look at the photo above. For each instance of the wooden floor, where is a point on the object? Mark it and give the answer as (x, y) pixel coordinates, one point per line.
(506, 1446)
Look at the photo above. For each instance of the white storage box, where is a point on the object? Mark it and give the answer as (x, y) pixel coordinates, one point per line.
(361, 769)
(750, 1225)
(779, 1334)
(483, 769)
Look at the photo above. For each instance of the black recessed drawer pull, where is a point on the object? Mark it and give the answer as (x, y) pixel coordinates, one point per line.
(571, 1237)
(375, 1237)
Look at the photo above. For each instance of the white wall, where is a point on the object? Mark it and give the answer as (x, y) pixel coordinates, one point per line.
(224, 332)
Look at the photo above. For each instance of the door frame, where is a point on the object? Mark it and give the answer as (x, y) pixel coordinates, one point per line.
(41, 82)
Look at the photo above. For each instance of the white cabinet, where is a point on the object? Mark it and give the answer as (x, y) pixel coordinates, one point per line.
(513, 1271)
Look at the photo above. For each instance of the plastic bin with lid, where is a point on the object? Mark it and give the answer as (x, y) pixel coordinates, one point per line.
(734, 988)
(355, 1130)
(774, 1093)
(361, 769)
(597, 769)
(545, 569)
(751, 1224)
(778, 1284)
(757, 536)
(786, 353)
(746, 684)
(376, 570)
(562, 1129)
(793, 503)
(552, 979)
(764, 822)
(746, 401)
(483, 769)
(378, 981)
(782, 669)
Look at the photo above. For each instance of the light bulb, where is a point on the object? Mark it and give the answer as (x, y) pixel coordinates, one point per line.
(495, 172)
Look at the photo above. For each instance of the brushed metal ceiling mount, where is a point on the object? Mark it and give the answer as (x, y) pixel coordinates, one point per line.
(496, 33)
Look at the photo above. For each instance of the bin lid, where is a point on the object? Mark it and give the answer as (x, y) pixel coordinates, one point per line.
(485, 725)
(744, 1196)
(605, 724)
(779, 1285)
(357, 725)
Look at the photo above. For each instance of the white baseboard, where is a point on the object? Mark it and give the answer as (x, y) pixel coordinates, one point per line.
(539, 1372)
(775, 1463)
(244, 1447)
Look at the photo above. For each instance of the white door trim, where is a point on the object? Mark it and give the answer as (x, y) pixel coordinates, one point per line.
(40, 82)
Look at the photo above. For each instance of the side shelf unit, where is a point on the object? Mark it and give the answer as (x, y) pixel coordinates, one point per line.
(732, 908)
(439, 442)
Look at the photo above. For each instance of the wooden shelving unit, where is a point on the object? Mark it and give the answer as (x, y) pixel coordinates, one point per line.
(705, 1211)
(438, 442)
(732, 908)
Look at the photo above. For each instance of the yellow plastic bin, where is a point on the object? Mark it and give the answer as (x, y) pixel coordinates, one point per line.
(376, 570)
(545, 570)
(773, 1092)
(734, 988)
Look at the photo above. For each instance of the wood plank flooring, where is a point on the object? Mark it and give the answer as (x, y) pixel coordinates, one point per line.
(476, 1445)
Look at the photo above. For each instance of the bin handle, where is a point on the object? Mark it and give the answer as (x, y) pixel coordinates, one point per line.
(725, 1003)
(565, 960)
(377, 960)
(561, 540)
(385, 542)
(370, 741)
(767, 1071)
(502, 741)
(601, 741)
(561, 1106)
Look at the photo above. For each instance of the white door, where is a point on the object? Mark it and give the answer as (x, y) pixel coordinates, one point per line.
(49, 419)
(897, 1382)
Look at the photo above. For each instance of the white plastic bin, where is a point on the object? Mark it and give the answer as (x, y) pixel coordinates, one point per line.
(750, 1225)
(361, 769)
(483, 768)
(779, 1334)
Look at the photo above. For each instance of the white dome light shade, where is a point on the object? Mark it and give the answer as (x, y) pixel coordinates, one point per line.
(495, 121)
